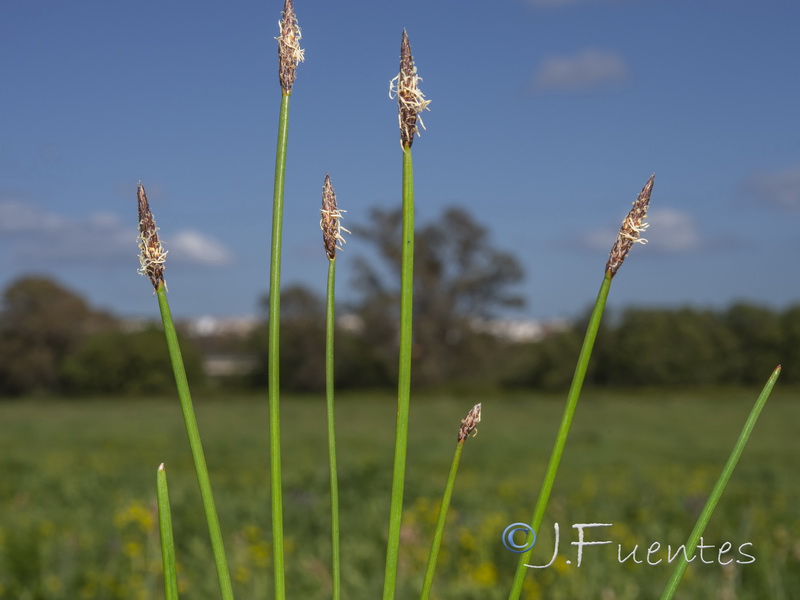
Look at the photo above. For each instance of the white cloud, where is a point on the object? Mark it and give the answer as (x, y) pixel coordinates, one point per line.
(36, 237)
(21, 218)
(589, 69)
(671, 232)
(198, 248)
(780, 188)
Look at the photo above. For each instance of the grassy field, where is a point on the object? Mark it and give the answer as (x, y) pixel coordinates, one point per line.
(77, 490)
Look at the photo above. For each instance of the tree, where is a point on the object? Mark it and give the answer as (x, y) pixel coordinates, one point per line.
(760, 335)
(547, 364)
(459, 279)
(40, 324)
(135, 363)
(790, 354)
(303, 347)
(302, 340)
(652, 346)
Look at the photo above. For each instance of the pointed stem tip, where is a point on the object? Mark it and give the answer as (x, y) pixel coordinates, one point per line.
(152, 255)
(632, 227)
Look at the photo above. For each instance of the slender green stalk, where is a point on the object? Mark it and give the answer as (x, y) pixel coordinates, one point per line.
(440, 521)
(716, 493)
(152, 260)
(274, 353)
(467, 427)
(629, 234)
(563, 430)
(195, 444)
(330, 223)
(329, 330)
(403, 378)
(411, 101)
(165, 531)
(289, 56)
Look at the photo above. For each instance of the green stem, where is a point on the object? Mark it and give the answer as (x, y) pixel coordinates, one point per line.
(329, 331)
(196, 446)
(274, 351)
(165, 531)
(440, 521)
(563, 430)
(713, 499)
(403, 378)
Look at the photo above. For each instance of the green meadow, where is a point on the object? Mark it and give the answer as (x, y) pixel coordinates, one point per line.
(78, 520)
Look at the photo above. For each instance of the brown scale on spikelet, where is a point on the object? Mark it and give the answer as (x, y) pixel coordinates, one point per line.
(331, 221)
(410, 99)
(152, 255)
(632, 227)
(469, 424)
(290, 54)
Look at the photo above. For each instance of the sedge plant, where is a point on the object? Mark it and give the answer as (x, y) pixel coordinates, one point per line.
(289, 56)
(152, 258)
(330, 223)
(411, 102)
(719, 487)
(629, 234)
(469, 426)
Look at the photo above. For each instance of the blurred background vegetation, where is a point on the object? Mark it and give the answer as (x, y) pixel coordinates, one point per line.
(667, 393)
(465, 337)
(52, 342)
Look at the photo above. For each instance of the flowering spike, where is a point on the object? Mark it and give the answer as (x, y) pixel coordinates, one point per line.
(330, 223)
(152, 255)
(632, 227)
(410, 99)
(469, 423)
(290, 54)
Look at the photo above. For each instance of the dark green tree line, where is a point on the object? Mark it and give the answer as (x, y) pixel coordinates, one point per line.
(41, 323)
(53, 342)
(671, 347)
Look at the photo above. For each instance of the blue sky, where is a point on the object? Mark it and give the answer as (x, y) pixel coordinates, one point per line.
(547, 117)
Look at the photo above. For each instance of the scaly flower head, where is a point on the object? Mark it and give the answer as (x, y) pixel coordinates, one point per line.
(290, 54)
(330, 223)
(469, 424)
(632, 227)
(152, 255)
(410, 99)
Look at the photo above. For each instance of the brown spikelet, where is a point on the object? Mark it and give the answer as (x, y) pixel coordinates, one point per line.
(469, 424)
(331, 221)
(290, 54)
(152, 255)
(632, 227)
(410, 99)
